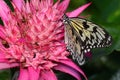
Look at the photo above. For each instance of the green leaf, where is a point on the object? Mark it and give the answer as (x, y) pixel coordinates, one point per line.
(5, 75)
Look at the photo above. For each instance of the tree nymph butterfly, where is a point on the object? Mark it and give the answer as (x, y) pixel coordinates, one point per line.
(82, 35)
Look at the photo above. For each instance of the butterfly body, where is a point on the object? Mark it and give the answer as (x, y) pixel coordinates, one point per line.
(82, 35)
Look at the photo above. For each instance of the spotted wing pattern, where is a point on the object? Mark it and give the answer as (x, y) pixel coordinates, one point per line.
(73, 45)
(82, 35)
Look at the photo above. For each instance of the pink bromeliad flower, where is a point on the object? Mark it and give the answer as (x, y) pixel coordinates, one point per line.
(32, 39)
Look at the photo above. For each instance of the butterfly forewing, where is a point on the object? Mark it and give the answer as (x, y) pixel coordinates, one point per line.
(90, 34)
(82, 35)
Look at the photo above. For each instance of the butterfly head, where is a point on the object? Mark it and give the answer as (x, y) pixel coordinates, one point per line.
(65, 19)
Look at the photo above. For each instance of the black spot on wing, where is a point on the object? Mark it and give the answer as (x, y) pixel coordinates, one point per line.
(80, 32)
(85, 25)
(79, 40)
(94, 29)
(106, 35)
(91, 36)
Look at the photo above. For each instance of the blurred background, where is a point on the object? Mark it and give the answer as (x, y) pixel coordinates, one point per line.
(105, 62)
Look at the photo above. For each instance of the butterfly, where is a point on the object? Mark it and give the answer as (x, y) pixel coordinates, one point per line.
(82, 35)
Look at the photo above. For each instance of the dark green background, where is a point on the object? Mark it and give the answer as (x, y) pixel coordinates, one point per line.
(105, 63)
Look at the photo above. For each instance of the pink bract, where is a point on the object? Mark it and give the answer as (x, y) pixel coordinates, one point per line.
(32, 39)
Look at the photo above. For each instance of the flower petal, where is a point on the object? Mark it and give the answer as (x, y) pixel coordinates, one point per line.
(2, 32)
(78, 11)
(56, 4)
(69, 65)
(63, 5)
(2, 58)
(4, 10)
(24, 74)
(48, 75)
(6, 65)
(18, 4)
(33, 74)
(50, 2)
(69, 70)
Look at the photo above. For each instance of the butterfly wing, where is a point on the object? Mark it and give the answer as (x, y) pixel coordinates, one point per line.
(82, 35)
(73, 45)
(90, 35)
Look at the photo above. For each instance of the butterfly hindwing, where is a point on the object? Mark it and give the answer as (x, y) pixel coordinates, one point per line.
(73, 45)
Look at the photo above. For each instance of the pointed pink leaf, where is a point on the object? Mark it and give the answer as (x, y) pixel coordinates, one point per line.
(33, 74)
(35, 3)
(56, 4)
(47, 75)
(63, 5)
(24, 74)
(2, 32)
(78, 11)
(18, 4)
(50, 2)
(4, 10)
(28, 9)
(69, 70)
(2, 58)
(6, 65)
(69, 63)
